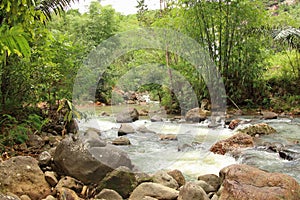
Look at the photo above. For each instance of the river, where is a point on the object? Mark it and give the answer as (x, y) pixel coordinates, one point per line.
(190, 152)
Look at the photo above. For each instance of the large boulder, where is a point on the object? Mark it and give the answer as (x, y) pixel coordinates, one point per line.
(88, 163)
(243, 182)
(128, 115)
(154, 190)
(196, 115)
(121, 180)
(21, 175)
(260, 129)
(239, 140)
(191, 191)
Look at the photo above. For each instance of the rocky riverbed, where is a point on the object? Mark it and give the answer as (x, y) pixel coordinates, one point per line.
(85, 166)
(93, 165)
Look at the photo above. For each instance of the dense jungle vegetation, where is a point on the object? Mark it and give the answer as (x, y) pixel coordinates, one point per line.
(255, 45)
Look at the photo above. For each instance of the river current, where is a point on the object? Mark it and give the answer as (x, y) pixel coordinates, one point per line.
(190, 152)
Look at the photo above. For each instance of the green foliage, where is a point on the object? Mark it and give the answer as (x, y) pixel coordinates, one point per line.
(15, 132)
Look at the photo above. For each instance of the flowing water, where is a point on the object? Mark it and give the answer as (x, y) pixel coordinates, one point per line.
(190, 152)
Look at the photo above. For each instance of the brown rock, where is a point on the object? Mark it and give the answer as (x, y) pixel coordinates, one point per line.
(167, 137)
(240, 140)
(269, 115)
(178, 176)
(121, 141)
(21, 175)
(191, 191)
(196, 115)
(243, 182)
(234, 123)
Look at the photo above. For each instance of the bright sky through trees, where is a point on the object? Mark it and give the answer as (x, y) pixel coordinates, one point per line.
(123, 6)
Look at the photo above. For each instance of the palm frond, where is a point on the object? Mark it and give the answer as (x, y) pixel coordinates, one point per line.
(290, 35)
(56, 6)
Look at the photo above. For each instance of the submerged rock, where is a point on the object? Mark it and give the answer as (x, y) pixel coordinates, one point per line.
(246, 182)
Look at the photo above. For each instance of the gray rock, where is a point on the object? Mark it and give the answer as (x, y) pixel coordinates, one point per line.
(127, 116)
(51, 178)
(91, 138)
(122, 180)
(22, 175)
(144, 129)
(154, 190)
(44, 158)
(163, 178)
(205, 186)
(89, 165)
(121, 141)
(191, 191)
(212, 180)
(35, 141)
(108, 194)
(125, 129)
(156, 118)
